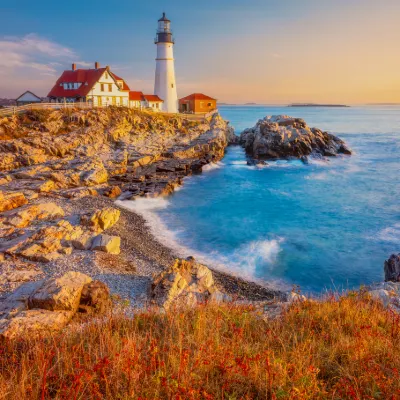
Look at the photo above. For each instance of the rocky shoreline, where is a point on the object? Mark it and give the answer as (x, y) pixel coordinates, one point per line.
(59, 182)
(61, 228)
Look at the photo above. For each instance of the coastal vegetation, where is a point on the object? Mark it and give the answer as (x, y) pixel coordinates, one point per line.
(344, 347)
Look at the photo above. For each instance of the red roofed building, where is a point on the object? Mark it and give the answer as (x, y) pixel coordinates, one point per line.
(197, 103)
(136, 99)
(152, 101)
(99, 86)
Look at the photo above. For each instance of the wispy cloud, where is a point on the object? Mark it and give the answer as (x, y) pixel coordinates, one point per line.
(32, 61)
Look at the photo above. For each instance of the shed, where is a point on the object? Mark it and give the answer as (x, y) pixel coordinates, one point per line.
(28, 98)
(197, 103)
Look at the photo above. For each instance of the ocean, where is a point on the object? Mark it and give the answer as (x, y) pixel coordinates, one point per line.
(326, 225)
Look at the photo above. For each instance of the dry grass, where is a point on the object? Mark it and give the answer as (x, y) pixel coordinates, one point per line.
(346, 348)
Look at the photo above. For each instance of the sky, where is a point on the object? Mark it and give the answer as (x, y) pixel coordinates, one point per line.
(263, 51)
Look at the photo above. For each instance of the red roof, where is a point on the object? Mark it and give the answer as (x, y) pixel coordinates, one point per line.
(117, 78)
(152, 97)
(135, 96)
(88, 78)
(197, 96)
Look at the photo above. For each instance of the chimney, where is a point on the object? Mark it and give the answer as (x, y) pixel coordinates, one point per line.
(96, 65)
(73, 67)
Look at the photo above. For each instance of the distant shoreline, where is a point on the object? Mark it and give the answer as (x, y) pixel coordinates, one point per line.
(317, 105)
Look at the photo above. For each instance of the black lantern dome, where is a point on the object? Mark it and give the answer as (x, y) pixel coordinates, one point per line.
(164, 33)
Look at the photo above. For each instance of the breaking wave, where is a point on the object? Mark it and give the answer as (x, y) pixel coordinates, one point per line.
(242, 262)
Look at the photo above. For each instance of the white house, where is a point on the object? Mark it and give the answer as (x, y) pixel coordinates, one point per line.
(28, 98)
(99, 86)
(152, 101)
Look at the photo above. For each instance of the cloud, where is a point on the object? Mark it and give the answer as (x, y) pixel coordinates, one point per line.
(31, 62)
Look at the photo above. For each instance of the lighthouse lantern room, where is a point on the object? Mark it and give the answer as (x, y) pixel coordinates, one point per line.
(165, 84)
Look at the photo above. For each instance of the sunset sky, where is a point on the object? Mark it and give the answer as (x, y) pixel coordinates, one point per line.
(265, 51)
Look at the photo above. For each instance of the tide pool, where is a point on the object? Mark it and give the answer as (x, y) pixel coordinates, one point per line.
(323, 225)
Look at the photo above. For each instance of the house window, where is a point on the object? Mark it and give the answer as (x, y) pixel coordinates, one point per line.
(110, 87)
(102, 87)
(209, 104)
(106, 75)
(157, 105)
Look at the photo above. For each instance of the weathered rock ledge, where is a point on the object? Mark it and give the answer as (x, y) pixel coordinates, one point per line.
(61, 174)
(281, 136)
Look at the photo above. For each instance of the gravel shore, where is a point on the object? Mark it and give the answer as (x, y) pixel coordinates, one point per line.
(129, 274)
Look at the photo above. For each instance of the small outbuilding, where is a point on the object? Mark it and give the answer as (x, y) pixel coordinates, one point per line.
(28, 98)
(197, 103)
(152, 101)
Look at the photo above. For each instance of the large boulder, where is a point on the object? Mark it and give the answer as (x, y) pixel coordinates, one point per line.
(185, 283)
(106, 243)
(281, 136)
(392, 268)
(95, 298)
(9, 201)
(32, 323)
(62, 293)
(101, 219)
(18, 300)
(24, 216)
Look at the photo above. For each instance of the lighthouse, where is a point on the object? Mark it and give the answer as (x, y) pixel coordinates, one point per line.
(165, 84)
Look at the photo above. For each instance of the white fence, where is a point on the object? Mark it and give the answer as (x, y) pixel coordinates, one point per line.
(8, 111)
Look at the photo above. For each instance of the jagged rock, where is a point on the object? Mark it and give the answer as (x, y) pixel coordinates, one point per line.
(32, 323)
(18, 275)
(45, 250)
(108, 244)
(186, 283)
(18, 300)
(62, 293)
(23, 217)
(9, 201)
(392, 268)
(281, 136)
(95, 298)
(101, 219)
(113, 192)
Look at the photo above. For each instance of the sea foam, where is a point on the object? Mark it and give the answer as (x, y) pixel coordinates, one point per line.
(242, 262)
(390, 234)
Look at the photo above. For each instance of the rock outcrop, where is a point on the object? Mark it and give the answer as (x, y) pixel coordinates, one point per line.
(282, 136)
(59, 294)
(46, 306)
(186, 283)
(392, 268)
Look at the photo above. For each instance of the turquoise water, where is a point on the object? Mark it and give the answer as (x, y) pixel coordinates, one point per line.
(324, 225)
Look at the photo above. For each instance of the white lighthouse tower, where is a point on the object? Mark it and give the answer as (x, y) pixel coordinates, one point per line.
(165, 84)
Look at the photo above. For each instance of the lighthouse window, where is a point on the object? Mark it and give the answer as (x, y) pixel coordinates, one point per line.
(172, 85)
